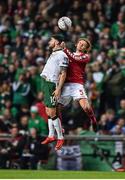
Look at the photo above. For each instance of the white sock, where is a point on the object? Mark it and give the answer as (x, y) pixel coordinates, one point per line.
(51, 128)
(58, 128)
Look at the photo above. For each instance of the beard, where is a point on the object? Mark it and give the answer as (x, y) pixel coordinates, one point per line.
(51, 46)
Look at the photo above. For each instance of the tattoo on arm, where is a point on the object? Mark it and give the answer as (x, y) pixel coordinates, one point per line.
(62, 77)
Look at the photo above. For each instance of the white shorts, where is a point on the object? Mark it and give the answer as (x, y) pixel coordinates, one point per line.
(71, 91)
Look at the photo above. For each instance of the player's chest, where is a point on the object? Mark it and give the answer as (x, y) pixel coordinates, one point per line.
(75, 64)
(53, 61)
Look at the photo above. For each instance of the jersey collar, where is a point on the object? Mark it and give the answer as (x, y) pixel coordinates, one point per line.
(60, 49)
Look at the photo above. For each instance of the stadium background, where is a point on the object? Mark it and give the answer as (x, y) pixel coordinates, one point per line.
(25, 28)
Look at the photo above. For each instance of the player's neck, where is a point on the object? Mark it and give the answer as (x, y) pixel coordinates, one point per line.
(78, 52)
(57, 48)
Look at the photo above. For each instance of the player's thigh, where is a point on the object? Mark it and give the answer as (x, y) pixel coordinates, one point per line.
(84, 103)
(65, 100)
(52, 112)
(66, 90)
(78, 92)
(49, 99)
(65, 95)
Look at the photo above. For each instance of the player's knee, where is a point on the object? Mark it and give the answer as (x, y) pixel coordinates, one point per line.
(86, 107)
(52, 113)
(47, 111)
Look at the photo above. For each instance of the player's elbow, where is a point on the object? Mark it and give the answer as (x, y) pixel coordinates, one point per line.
(63, 74)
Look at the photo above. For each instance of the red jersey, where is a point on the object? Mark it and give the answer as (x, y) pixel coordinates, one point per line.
(76, 69)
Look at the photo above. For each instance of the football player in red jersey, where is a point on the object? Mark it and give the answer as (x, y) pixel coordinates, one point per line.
(75, 80)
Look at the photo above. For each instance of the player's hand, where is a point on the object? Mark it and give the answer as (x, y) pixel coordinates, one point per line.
(63, 45)
(57, 93)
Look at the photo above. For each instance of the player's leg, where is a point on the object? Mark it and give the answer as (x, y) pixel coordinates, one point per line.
(53, 114)
(54, 124)
(51, 135)
(59, 112)
(50, 125)
(58, 127)
(45, 91)
(89, 111)
(49, 102)
(78, 93)
(64, 100)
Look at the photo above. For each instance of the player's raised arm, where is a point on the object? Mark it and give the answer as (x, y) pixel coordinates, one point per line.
(80, 58)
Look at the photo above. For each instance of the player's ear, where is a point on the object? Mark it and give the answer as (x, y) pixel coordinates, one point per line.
(56, 42)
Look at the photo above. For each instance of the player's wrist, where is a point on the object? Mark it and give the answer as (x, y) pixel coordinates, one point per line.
(59, 88)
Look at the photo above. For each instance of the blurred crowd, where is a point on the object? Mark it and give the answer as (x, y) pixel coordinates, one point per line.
(25, 29)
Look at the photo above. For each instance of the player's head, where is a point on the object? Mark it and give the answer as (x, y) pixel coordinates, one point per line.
(83, 45)
(56, 40)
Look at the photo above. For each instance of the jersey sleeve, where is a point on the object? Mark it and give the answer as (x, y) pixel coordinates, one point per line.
(79, 58)
(63, 61)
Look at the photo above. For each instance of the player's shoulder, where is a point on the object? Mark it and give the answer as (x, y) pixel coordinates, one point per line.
(62, 54)
(86, 55)
(82, 55)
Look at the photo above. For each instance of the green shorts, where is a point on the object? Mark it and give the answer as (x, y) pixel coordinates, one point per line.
(48, 89)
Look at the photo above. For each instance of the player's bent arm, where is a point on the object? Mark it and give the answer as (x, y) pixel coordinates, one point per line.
(79, 58)
(62, 77)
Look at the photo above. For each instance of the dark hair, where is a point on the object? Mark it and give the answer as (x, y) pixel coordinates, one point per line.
(58, 37)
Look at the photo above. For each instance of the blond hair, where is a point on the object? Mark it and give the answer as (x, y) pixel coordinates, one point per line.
(89, 46)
